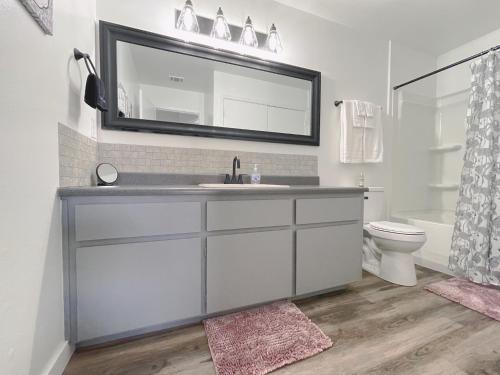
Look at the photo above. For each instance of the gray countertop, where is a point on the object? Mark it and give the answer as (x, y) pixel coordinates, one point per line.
(131, 190)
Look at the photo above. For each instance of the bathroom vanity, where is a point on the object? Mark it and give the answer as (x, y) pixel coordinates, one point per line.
(141, 259)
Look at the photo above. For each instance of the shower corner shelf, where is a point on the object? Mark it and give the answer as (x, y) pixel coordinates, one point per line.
(444, 186)
(446, 148)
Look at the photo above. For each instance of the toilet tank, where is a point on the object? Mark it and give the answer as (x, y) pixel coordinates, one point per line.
(374, 208)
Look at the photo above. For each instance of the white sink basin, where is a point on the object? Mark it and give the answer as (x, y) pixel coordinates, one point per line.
(243, 186)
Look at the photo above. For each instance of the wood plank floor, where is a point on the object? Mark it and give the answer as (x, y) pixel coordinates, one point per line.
(376, 327)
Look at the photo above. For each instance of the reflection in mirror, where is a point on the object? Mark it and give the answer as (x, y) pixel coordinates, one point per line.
(160, 85)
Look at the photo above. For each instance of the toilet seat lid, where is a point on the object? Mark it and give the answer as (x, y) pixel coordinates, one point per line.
(397, 228)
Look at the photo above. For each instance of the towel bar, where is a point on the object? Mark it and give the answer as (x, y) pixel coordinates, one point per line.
(339, 102)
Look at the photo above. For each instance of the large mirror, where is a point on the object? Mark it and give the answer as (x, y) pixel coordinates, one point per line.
(160, 84)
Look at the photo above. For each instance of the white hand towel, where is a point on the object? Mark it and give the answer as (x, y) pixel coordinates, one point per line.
(358, 114)
(351, 136)
(360, 108)
(371, 110)
(374, 138)
(360, 144)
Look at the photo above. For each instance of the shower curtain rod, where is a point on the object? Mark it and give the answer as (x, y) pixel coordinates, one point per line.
(448, 67)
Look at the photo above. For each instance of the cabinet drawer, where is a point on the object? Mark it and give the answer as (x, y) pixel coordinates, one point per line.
(329, 210)
(328, 257)
(132, 286)
(107, 221)
(225, 215)
(245, 269)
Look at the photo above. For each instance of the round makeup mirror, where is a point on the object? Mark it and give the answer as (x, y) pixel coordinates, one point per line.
(107, 174)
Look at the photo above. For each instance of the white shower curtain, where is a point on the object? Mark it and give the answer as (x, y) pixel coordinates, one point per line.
(475, 249)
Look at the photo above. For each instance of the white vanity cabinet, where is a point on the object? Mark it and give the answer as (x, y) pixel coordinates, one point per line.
(140, 263)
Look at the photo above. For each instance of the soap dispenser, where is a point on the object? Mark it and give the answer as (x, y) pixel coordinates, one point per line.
(362, 179)
(255, 178)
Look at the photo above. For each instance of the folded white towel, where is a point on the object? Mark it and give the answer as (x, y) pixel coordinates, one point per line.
(363, 115)
(370, 109)
(360, 144)
(351, 136)
(360, 108)
(359, 114)
(374, 139)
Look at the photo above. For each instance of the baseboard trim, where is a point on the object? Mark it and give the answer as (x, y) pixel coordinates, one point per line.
(60, 359)
(435, 266)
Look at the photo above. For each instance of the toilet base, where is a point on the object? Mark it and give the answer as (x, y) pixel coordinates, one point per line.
(398, 268)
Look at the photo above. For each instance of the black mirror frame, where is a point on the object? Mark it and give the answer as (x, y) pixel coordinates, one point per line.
(110, 34)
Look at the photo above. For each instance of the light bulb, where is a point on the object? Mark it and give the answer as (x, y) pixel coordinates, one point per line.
(248, 36)
(220, 29)
(273, 42)
(187, 20)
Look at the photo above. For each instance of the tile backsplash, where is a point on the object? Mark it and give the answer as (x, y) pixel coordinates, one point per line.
(79, 155)
(154, 159)
(77, 158)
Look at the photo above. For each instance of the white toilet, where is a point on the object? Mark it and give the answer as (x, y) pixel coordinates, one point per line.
(388, 246)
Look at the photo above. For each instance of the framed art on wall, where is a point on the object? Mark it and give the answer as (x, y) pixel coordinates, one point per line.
(42, 12)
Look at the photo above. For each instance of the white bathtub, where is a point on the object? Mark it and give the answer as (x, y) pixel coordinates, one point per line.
(438, 225)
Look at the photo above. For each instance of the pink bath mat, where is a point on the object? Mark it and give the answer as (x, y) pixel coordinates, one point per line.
(480, 298)
(263, 339)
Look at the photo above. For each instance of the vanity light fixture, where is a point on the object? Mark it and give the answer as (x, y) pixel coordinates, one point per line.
(273, 42)
(248, 36)
(220, 32)
(187, 20)
(220, 28)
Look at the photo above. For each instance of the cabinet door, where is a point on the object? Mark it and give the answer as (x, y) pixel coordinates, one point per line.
(328, 257)
(127, 287)
(250, 268)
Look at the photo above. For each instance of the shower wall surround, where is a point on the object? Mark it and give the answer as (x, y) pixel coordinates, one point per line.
(78, 156)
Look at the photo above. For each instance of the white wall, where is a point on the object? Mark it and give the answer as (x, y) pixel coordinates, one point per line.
(353, 66)
(413, 128)
(41, 85)
(458, 78)
(407, 64)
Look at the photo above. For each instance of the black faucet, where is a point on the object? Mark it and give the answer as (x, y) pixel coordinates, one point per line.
(234, 179)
